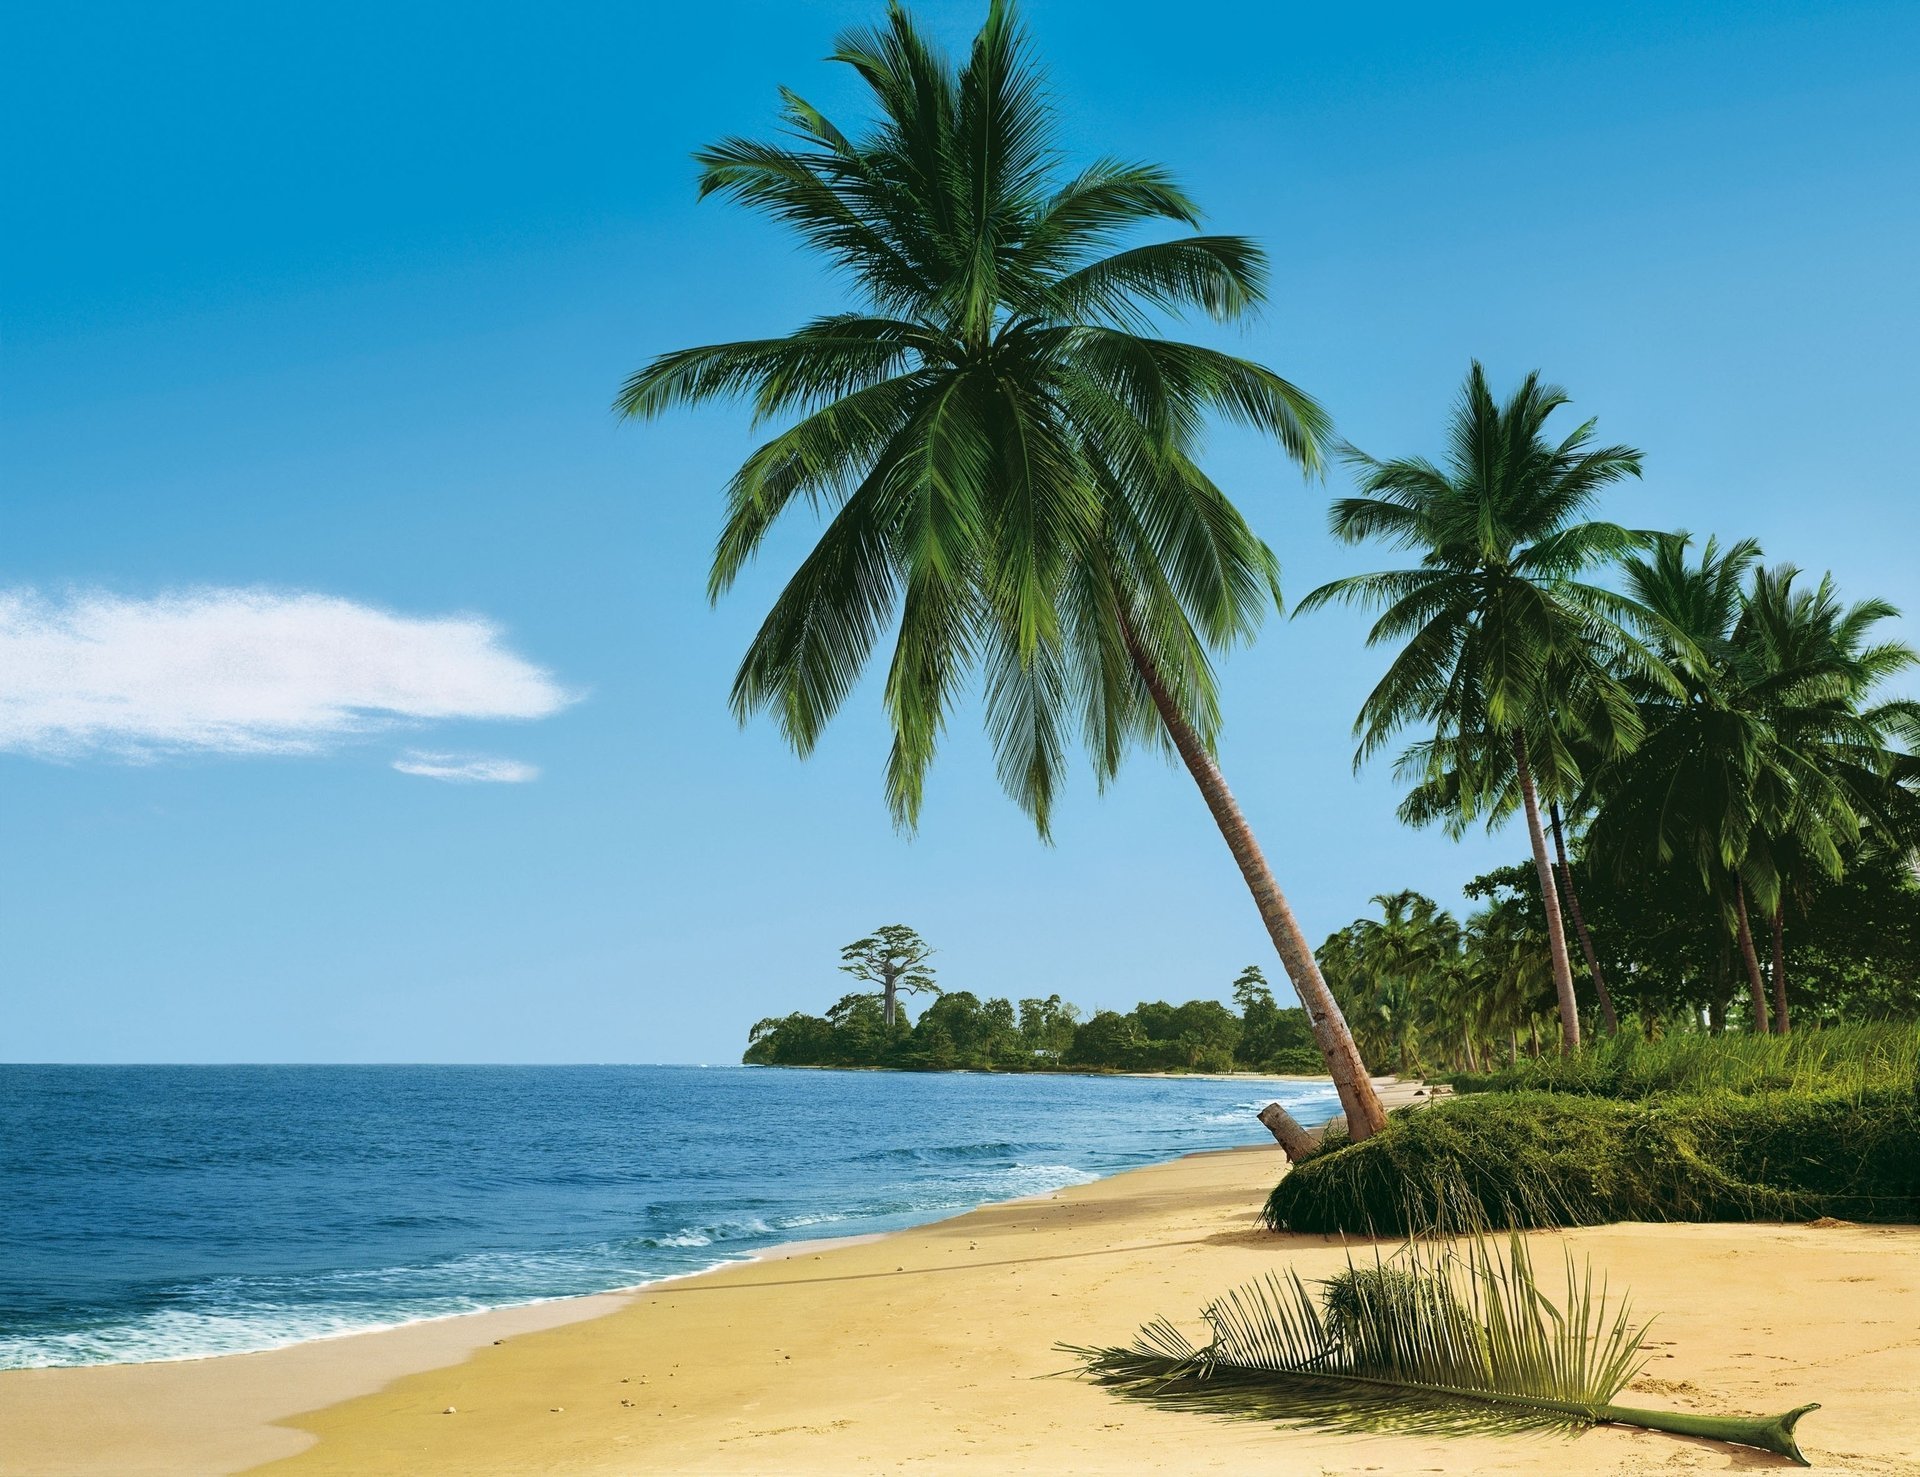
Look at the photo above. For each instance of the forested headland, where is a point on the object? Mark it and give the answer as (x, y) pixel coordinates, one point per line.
(959, 1031)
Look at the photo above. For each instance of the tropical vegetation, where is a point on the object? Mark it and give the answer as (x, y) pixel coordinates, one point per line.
(1711, 748)
(1530, 1159)
(1000, 440)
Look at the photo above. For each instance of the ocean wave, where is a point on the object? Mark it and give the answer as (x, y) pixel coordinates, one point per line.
(743, 1229)
(942, 1153)
(186, 1334)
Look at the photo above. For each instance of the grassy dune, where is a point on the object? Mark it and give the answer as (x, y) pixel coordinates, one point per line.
(1690, 1128)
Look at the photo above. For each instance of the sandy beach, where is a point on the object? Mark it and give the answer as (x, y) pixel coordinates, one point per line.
(930, 1351)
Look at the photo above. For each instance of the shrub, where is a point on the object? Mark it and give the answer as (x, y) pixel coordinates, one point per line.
(1296, 1061)
(1546, 1159)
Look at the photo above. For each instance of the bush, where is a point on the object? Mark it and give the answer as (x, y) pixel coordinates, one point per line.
(1547, 1159)
(1296, 1061)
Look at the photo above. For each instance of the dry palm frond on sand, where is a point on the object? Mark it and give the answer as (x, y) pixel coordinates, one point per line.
(1452, 1337)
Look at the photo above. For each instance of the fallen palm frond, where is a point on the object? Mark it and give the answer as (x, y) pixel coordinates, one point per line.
(1448, 1338)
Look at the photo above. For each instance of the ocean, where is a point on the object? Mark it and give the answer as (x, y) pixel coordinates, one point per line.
(178, 1212)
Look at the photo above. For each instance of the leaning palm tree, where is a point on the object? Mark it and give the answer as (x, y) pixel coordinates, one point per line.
(1001, 446)
(1507, 653)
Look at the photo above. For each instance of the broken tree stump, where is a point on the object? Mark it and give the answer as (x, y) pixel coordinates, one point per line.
(1286, 1129)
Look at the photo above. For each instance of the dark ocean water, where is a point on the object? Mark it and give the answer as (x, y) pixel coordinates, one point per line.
(172, 1212)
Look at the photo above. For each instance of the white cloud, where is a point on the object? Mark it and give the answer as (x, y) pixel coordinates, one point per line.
(243, 671)
(466, 768)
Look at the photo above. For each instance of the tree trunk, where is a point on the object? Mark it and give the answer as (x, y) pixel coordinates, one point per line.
(888, 1007)
(1550, 898)
(1533, 1035)
(1365, 1116)
(1608, 1018)
(1722, 989)
(1779, 971)
(1286, 1129)
(1756, 987)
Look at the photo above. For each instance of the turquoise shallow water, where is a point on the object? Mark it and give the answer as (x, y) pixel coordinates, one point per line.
(175, 1212)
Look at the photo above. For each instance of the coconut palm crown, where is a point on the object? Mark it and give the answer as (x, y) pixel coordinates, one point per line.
(1001, 448)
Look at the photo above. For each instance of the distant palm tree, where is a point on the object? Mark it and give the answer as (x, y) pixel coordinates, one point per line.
(1505, 652)
(1509, 975)
(1002, 447)
(1392, 972)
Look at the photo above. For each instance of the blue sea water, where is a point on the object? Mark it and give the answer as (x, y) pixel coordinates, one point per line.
(176, 1212)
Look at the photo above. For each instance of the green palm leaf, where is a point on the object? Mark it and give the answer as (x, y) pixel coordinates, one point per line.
(1446, 1338)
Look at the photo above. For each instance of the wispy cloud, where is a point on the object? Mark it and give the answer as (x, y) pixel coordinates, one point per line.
(244, 671)
(466, 769)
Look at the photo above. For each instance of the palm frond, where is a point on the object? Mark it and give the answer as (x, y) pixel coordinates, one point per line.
(1452, 1338)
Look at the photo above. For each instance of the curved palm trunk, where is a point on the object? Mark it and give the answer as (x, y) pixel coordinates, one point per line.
(1365, 1116)
(1600, 989)
(1550, 897)
(1756, 987)
(1780, 1026)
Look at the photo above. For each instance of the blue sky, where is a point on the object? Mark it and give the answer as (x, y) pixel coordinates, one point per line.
(326, 305)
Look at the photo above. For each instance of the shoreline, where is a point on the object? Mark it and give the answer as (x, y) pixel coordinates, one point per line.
(930, 1348)
(222, 1413)
(1393, 1092)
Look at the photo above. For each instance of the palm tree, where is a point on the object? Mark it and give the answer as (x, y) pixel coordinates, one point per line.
(1002, 447)
(1511, 980)
(1689, 792)
(1392, 974)
(1762, 768)
(1807, 664)
(1506, 651)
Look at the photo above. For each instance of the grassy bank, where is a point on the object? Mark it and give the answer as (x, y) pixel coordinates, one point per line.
(1845, 1060)
(1690, 1128)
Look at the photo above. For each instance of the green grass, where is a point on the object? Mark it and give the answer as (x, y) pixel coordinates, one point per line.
(1561, 1159)
(1847, 1061)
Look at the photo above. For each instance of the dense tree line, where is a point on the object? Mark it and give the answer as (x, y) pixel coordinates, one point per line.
(960, 1031)
(1424, 991)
